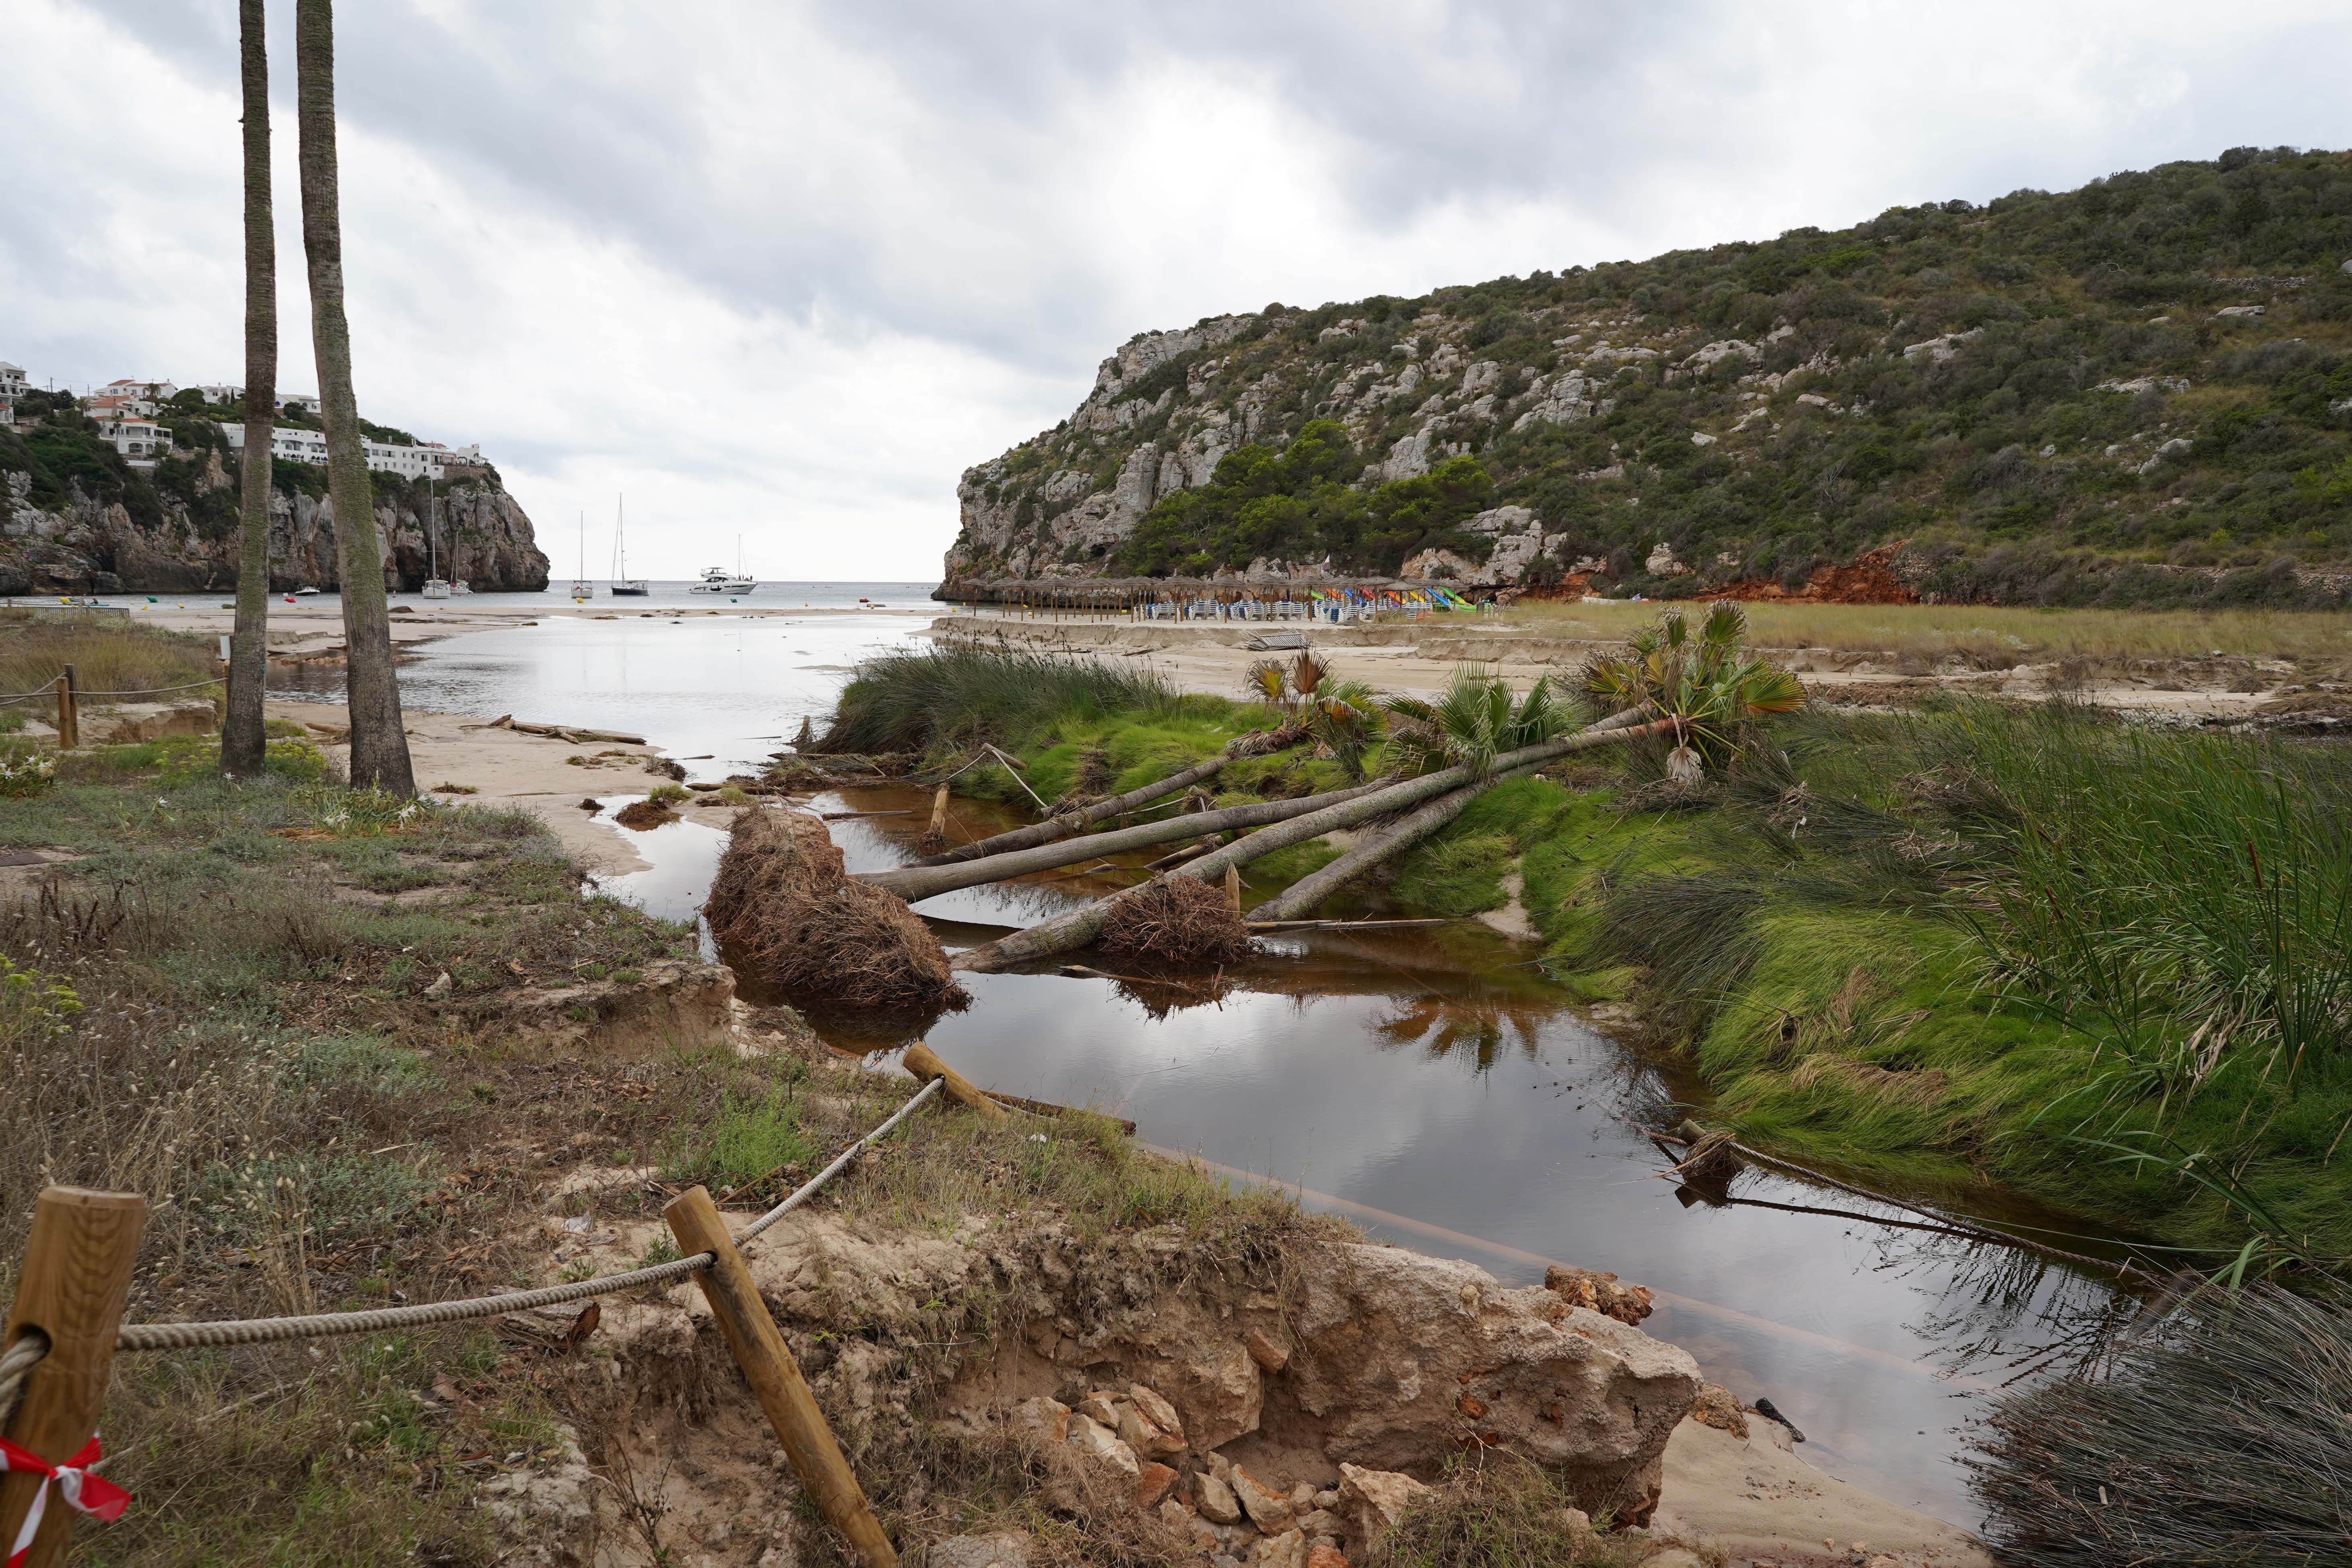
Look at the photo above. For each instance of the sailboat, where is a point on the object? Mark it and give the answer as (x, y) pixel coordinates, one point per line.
(581, 587)
(436, 585)
(743, 582)
(623, 583)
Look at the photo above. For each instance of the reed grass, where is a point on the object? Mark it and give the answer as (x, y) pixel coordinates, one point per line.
(2107, 962)
(948, 697)
(1985, 634)
(106, 657)
(2221, 1436)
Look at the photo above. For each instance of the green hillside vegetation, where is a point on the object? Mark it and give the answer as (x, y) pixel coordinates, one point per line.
(2137, 393)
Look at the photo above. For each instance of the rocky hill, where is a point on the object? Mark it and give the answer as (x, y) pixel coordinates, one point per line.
(2138, 391)
(74, 518)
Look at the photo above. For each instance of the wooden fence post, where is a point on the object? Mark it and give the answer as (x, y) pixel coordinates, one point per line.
(77, 1271)
(940, 813)
(925, 1063)
(1234, 888)
(69, 719)
(768, 1365)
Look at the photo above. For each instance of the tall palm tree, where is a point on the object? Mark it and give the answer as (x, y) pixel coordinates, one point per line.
(243, 745)
(379, 748)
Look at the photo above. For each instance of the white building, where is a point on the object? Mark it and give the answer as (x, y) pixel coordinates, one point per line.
(12, 381)
(221, 394)
(425, 461)
(150, 391)
(142, 441)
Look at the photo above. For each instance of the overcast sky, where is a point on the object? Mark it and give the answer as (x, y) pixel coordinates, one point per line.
(786, 270)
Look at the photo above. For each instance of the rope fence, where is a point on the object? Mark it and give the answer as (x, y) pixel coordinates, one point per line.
(65, 1327)
(319, 1325)
(51, 690)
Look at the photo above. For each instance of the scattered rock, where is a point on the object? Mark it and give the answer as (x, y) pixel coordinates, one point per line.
(1151, 1484)
(1146, 1436)
(1287, 1549)
(1048, 1419)
(1373, 1500)
(440, 987)
(1159, 1411)
(1215, 1500)
(1009, 1550)
(1100, 1408)
(1602, 1293)
(1269, 1356)
(1674, 1557)
(589, 804)
(1097, 1443)
(1267, 1509)
(1321, 1556)
(1716, 1407)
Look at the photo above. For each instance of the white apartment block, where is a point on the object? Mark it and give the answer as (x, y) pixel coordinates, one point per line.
(427, 461)
(12, 381)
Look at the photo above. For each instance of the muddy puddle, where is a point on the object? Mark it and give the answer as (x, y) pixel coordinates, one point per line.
(1434, 1087)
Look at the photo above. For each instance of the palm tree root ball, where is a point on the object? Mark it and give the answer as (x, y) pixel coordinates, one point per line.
(782, 909)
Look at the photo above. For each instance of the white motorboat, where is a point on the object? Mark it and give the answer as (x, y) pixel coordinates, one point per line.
(714, 580)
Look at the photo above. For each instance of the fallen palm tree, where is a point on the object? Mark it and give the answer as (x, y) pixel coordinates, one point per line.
(1697, 684)
(782, 909)
(1063, 824)
(915, 883)
(1082, 926)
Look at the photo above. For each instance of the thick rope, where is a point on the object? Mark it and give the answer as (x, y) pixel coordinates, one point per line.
(15, 1365)
(814, 1182)
(269, 1330)
(153, 691)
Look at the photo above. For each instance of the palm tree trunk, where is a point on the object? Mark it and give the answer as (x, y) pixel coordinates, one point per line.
(1303, 895)
(1057, 827)
(1081, 926)
(243, 747)
(379, 748)
(915, 883)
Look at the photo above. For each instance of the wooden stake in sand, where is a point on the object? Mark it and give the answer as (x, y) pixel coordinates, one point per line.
(775, 1378)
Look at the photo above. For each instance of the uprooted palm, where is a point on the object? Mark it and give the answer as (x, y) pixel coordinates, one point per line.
(1702, 678)
(1477, 720)
(1341, 717)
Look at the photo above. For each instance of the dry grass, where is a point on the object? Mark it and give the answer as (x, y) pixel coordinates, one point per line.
(106, 655)
(782, 906)
(1986, 631)
(1176, 920)
(1496, 1511)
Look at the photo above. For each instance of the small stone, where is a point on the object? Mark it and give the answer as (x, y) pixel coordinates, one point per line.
(1216, 1499)
(440, 987)
(1008, 1549)
(1145, 1437)
(1372, 1500)
(1151, 1484)
(1268, 1355)
(1288, 1550)
(1328, 1499)
(1100, 1408)
(1674, 1557)
(1222, 1468)
(1322, 1522)
(1572, 1519)
(1175, 1515)
(1047, 1418)
(1267, 1509)
(1302, 1497)
(1091, 1440)
(1156, 1411)
(1320, 1556)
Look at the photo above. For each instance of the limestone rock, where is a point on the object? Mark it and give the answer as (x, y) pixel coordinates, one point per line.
(1287, 1549)
(1215, 1500)
(1156, 1411)
(1007, 1550)
(1048, 1419)
(1151, 1484)
(1321, 1556)
(1100, 1408)
(1371, 1501)
(1604, 1293)
(1270, 1510)
(1097, 1443)
(1718, 1408)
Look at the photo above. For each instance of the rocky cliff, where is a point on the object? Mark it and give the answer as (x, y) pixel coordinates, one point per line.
(113, 532)
(2139, 391)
